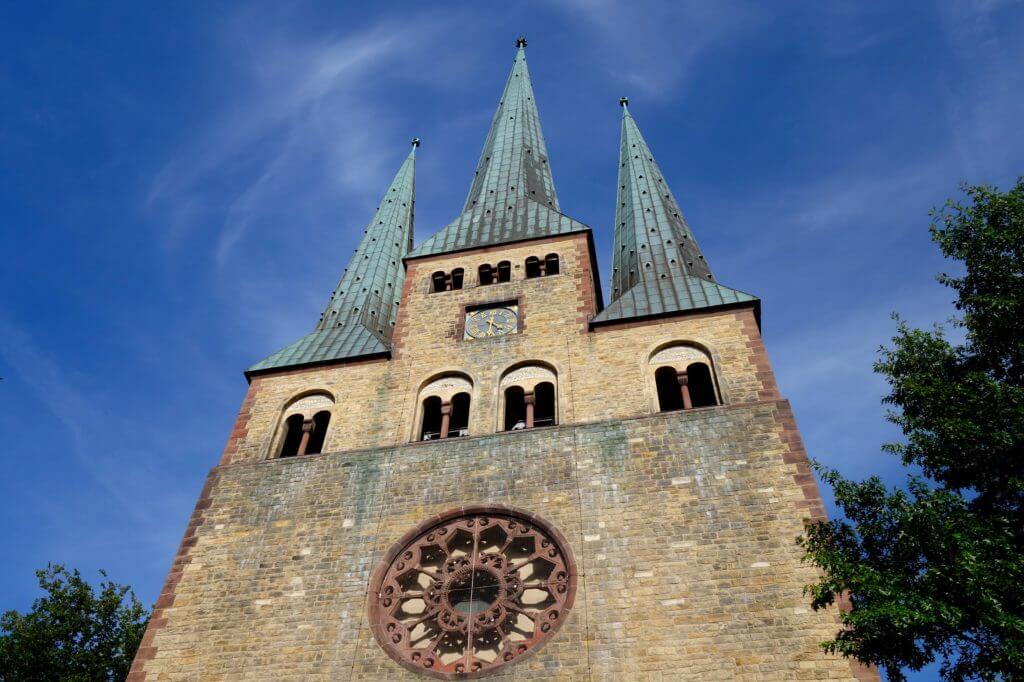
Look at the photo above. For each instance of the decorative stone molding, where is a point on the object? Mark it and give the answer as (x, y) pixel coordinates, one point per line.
(446, 387)
(311, 402)
(471, 590)
(679, 354)
(528, 377)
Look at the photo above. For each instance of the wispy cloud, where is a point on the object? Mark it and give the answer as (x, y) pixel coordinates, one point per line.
(653, 47)
(304, 124)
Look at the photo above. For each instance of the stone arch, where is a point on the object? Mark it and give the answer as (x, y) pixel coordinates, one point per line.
(694, 371)
(441, 398)
(528, 396)
(304, 418)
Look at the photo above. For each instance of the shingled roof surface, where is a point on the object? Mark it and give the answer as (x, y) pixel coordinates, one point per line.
(512, 197)
(657, 266)
(360, 314)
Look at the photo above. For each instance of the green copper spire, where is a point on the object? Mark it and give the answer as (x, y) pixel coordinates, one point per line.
(512, 197)
(514, 160)
(657, 267)
(652, 239)
(360, 314)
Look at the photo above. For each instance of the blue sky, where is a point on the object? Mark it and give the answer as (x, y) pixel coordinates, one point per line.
(181, 184)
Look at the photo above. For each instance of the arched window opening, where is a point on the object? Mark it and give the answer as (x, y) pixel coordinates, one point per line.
(459, 424)
(431, 428)
(504, 271)
(701, 385)
(515, 408)
(670, 395)
(532, 267)
(544, 405)
(293, 436)
(485, 275)
(551, 264)
(445, 407)
(319, 433)
(440, 282)
(457, 278)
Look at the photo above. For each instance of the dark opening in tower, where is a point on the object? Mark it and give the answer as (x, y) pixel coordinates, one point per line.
(459, 425)
(544, 406)
(701, 385)
(515, 409)
(670, 396)
(431, 428)
(292, 436)
(315, 445)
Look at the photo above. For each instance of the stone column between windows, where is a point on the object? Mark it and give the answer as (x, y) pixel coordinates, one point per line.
(684, 388)
(531, 401)
(307, 429)
(446, 418)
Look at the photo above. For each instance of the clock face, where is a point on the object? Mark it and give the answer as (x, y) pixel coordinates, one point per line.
(496, 321)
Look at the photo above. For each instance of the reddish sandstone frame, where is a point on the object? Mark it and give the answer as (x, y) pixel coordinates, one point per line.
(375, 610)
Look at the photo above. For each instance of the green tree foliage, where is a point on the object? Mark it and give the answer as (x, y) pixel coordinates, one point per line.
(73, 633)
(935, 571)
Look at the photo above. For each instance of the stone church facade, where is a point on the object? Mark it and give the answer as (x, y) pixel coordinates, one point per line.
(474, 467)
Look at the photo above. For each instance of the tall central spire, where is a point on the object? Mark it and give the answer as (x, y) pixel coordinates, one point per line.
(514, 160)
(512, 197)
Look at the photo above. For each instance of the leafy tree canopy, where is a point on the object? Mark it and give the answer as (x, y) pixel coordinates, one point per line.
(73, 633)
(935, 570)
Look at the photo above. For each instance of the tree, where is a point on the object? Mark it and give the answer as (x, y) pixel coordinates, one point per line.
(72, 633)
(935, 570)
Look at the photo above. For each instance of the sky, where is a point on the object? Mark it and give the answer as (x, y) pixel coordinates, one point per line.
(181, 184)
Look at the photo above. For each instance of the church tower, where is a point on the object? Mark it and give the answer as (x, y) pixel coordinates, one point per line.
(472, 467)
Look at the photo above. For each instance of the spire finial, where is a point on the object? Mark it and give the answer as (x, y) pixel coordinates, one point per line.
(624, 102)
(415, 142)
(521, 41)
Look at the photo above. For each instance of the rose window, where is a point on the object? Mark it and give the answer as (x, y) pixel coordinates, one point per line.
(472, 590)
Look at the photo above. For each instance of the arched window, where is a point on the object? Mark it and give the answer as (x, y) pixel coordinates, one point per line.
(459, 423)
(702, 386)
(319, 433)
(515, 409)
(684, 378)
(485, 275)
(551, 264)
(304, 426)
(292, 436)
(444, 408)
(439, 281)
(504, 271)
(670, 395)
(532, 267)
(529, 394)
(457, 274)
(431, 428)
(544, 407)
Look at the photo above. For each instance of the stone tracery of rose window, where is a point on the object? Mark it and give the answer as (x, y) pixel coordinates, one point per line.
(472, 592)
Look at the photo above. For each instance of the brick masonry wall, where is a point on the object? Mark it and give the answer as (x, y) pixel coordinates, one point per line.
(682, 526)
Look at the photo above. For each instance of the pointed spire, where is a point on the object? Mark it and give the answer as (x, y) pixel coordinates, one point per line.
(652, 239)
(371, 285)
(512, 197)
(360, 314)
(514, 160)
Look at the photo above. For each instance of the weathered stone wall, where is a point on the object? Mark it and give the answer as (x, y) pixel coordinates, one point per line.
(602, 374)
(682, 526)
